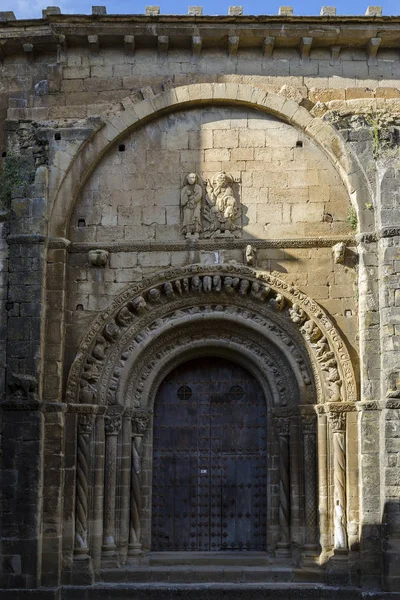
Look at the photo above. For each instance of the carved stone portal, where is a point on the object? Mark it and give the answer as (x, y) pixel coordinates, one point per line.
(211, 209)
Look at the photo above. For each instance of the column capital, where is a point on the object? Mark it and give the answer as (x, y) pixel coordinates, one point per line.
(113, 420)
(140, 422)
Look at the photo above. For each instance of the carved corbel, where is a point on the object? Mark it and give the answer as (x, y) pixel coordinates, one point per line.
(129, 44)
(94, 43)
(268, 46)
(373, 47)
(305, 47)
(98, 258)
(335, 53)
(233, 44)
(197, 42)
(29, 51)
(2, 49)
(339, 251)
(163, 44)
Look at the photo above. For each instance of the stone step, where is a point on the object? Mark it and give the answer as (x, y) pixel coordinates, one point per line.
(211, 574)
(250, 559)
(216, 591)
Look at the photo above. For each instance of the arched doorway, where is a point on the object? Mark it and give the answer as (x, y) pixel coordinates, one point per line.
(209, 459)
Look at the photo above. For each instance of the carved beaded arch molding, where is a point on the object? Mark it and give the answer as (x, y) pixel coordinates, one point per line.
(259, 307)
(128, 115)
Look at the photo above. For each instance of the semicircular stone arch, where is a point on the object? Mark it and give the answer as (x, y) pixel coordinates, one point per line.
(129, 116)
(145, 316)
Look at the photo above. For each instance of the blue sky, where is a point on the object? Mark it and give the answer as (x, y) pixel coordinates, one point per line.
(33, 8)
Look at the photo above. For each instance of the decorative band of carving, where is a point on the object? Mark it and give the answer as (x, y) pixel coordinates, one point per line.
(28, 238)
(393, 403)
(368, 405)
(387, 232)
(309, 423)
(219, 244)
(337, 412)
(260, 288)
(51, 407)
(28, 404)
(366, 238)
(89, 409)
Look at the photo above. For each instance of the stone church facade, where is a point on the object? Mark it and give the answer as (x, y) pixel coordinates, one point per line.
(200, 373)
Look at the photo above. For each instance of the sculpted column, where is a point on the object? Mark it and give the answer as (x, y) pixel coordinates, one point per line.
(282, 425)
(338, 572)
(82, 571)
(112, 424)
(311, 547)
(140, 421)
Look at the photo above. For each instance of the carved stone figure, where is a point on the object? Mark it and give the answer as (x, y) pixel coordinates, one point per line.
(250, 255)
(259, 291)
(222, 212)
(191, 205)
(196, 284)
(333, 381)
(393, 385)
(124, 317)
(321, 348)
(22, 386)
(185, 285)
(339, 526)
(339, 251)
(278, 303)
(310, 331)
(244, 287)
(98, 258)
(217, 283)
(169, 290)
(100, 348)
(111, 332)
(154, 295)
(139, 304)
(207, 284)
(230, 283)
(178, 287)
(297, 314)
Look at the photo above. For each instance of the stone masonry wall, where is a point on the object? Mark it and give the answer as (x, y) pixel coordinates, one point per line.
(130, 206)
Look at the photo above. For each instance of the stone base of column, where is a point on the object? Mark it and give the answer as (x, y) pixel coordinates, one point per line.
(310, 555)
(134, 549)
(109, 558)
(283, 550)
(82, 570)
(338, 571)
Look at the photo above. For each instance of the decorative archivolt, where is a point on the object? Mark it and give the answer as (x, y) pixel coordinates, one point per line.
(145, 310)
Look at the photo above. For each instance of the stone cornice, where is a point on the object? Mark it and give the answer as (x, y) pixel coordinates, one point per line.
(252, 31)
(220, 244)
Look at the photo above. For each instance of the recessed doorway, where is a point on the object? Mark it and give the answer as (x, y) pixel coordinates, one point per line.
(209, 460)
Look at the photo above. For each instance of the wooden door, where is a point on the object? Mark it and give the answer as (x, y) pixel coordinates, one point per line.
(209, 459)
